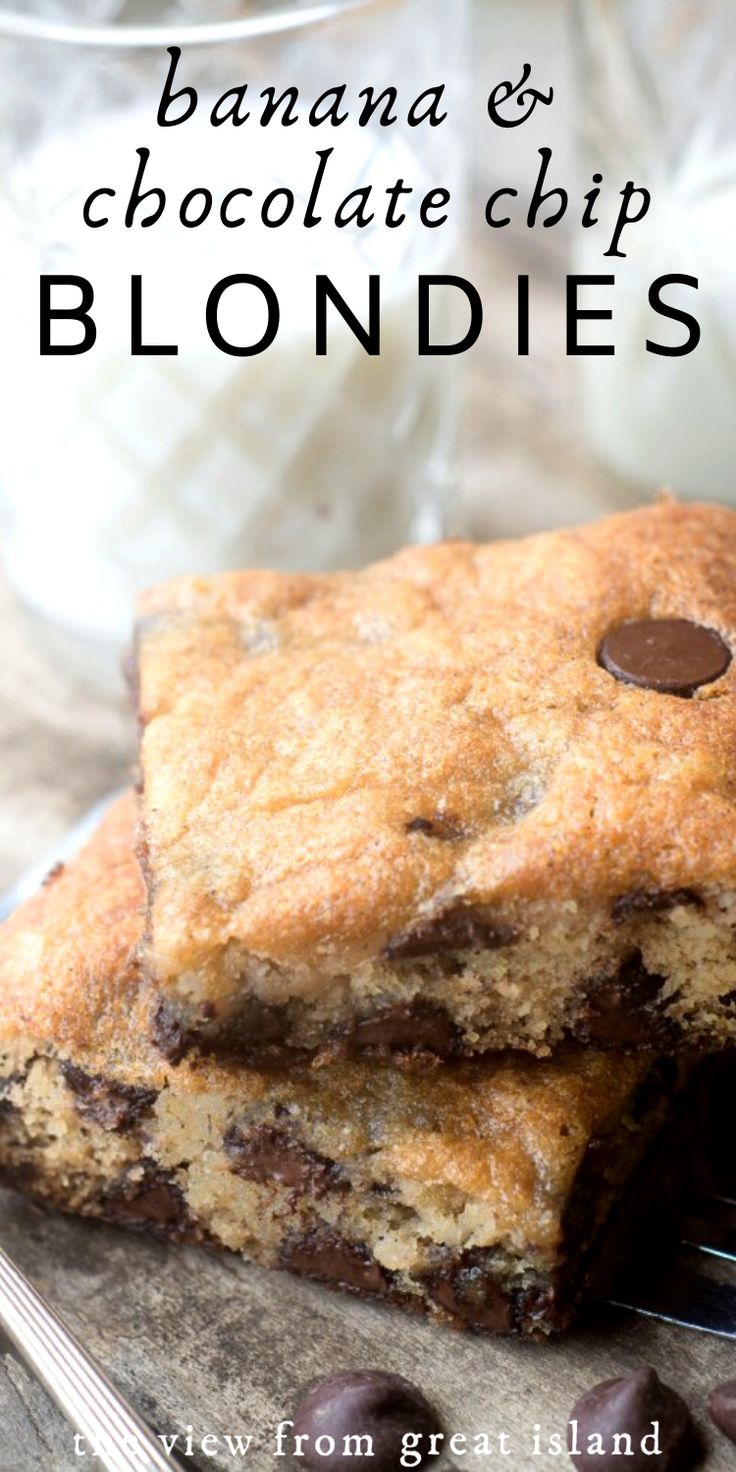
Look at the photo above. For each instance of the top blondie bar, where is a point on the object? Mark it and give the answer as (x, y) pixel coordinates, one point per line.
(473, 797)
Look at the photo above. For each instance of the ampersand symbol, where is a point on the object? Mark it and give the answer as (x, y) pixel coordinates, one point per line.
(504, 90)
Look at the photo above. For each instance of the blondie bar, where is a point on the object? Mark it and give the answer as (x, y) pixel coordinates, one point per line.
(479, 1191)
(471, 798)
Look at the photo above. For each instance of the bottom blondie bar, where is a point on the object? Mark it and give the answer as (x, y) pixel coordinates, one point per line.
(478, 1192)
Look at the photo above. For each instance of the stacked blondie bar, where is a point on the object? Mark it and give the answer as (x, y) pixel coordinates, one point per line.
(391, 971)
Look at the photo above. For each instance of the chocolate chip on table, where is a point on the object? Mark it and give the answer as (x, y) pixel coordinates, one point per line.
(671, 655)
(628, 1407)
(722, 1408)
(364, 1403)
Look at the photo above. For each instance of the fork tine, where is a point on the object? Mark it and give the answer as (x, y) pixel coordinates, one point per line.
(684, 1297)
(709, 1226)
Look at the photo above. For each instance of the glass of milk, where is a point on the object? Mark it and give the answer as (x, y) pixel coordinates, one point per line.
(119, 470)
(658, 105)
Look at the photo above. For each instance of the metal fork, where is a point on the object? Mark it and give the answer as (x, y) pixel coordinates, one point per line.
(121, 1441)
(680, 1295)
(674, 1286)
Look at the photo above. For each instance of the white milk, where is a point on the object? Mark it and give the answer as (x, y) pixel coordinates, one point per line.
(659, 420)
(117, 472)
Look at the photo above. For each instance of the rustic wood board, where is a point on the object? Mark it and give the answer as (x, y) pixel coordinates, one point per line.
(196, 1338)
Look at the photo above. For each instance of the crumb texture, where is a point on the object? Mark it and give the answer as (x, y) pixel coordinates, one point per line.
(473, 1191)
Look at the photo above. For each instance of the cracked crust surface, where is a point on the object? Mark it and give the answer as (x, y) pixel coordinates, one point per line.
(341, 770)
(474, 1191)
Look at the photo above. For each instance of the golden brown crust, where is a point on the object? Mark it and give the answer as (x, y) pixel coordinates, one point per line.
(68, 957)
(295, 727)
(510, 1132)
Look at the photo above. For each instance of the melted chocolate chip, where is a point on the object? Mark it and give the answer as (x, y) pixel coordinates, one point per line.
(366, 1404)
(441, 826)
(468, 1290)
(638, 1406)
(269, 1154)
(460, 929)
(417, 1029)
(169, 1034)
(722, 1408)
(539, 1309)
(147, 1198)
(112, 1105)
(670, 655)
(254, 1033)
(255, 1027)
(622, 1009)
(21, 1177)
(651, 901)
(329, 1258)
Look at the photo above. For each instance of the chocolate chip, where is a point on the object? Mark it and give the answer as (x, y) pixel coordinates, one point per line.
(169, 1034)
(722, 1408)
(646, 901)
(329, 1258)
(8, 1081)
(637, 1406)
(54, 873)
(147, 1198)
(366, 1404)
(467, 1289)
(269, 1154)
(418, 1029)
(441, 826)
(21, 1176)
(539, 1310)
(671, 655)
(462, 928)
(112, 1105)
(255, 1027)
(622, 1011)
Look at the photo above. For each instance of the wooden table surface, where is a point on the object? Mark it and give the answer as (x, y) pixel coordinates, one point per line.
(193, 1338)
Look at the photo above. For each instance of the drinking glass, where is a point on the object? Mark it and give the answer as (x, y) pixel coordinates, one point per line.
(658, 106)
(117, 471)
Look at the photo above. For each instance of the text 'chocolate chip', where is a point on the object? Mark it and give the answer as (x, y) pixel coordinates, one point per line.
(363, 1404)
(670, 655)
